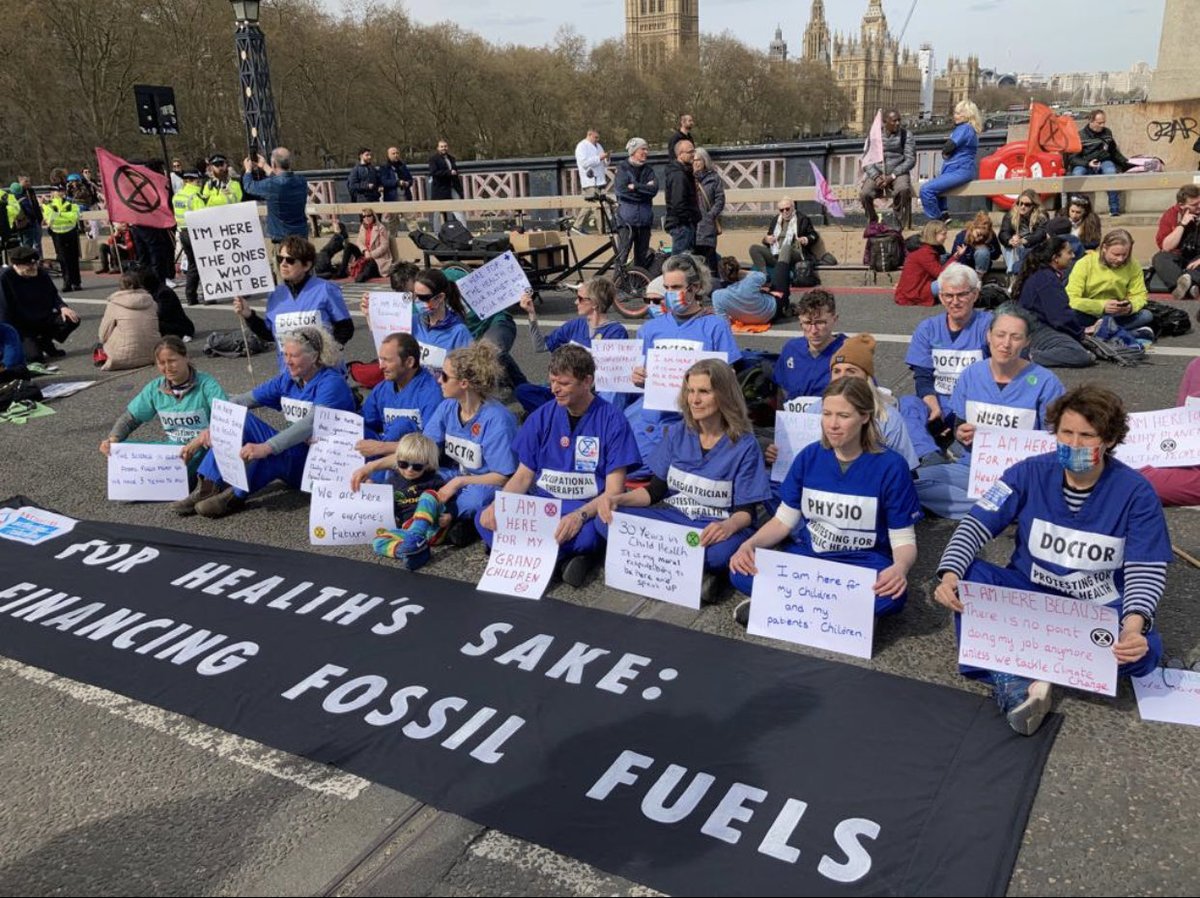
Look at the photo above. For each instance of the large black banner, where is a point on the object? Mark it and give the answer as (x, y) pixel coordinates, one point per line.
(691, 763)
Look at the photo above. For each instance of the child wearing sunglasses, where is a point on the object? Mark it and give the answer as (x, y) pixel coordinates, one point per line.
(415, 478)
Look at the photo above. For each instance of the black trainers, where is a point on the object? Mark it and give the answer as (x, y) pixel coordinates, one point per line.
(576, 569)
(741, 614)
(462, 533)
(711, 588)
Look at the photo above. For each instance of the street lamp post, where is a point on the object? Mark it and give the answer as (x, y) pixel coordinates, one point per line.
(258, 105)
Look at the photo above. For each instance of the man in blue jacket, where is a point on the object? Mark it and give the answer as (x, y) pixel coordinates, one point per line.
(363, 182)
(284, 191)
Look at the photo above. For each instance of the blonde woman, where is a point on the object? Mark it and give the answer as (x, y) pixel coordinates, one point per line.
(1024, 227)
(960, 166)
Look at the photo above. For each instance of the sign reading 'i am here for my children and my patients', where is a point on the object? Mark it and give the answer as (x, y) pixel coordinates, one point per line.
(688, 762)
(231, 256)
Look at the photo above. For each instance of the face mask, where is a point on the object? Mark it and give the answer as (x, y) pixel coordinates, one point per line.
(1079, 459)
(421, 306)
(674, 299)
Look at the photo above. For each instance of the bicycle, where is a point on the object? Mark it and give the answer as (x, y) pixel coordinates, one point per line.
(631, 281)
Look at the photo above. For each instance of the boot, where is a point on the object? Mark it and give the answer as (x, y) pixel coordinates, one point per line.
(224, 503)
(186, 507)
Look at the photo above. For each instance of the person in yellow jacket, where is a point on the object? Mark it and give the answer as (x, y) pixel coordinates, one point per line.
(220, 189)
(189, 199)
(61, 217)
(1108, 281)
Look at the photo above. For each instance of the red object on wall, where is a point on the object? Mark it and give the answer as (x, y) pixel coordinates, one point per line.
(1009, 164)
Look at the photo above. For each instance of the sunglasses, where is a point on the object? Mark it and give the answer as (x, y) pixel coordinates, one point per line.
(286, 260)
(785, 208)
(415, 466)
(1023, 204)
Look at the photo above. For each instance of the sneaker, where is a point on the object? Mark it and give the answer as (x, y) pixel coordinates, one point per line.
(711, 587)
(1183, 287)
(170, 283)
(186, 507)
(741, 614)
(1027, 716)
(224, 503)
(575, 571)
(462, 532)
(1143, 334)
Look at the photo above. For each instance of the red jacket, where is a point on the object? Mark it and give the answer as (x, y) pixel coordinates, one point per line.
(1166, 225)
(921, 268)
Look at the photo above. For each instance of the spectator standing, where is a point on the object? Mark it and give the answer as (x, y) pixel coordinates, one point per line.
(1178, 240)
(960, 150)
(636, 185)
(220, 189)
(61, 216)
(363, 182)
(710, 194)
(686, 124)
(83, 194)
(31, 211)
(683, 208)
(398, 185)
(1099, 155)
(188, 200)
(176, 175)
(284, 191)
(445, 181)
(591, 159)
(892, 176)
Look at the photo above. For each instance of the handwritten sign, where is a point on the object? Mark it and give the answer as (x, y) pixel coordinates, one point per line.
(146, 472)
(495, 286)
(813, 602)
(1039, 636)
(1169, 695)
(33, 526)
(391, 313)
(655, 559)
(793, 431)
(996, 449)
(226, 423)
(331, 455)
(615, 361)
(524, 550)
(338, 516)
(231, 256)
(1188, 401)
(1168, 438)
(665, 370)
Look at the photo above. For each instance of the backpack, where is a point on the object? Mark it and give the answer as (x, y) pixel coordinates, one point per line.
(1144, 164)
(455, 234)
(991, 296)
(884, 249)
(491, 243)
(1169, 321)
(17, 391)
(230, 345)
(755, 378)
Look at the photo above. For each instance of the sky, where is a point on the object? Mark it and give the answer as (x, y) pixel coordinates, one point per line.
(1008, 35)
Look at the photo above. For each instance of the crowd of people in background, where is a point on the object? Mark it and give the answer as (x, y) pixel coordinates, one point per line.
(450, 418)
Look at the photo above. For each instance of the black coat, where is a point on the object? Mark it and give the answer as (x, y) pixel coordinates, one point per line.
(682, 206)
(444, 183)
(1100, 147)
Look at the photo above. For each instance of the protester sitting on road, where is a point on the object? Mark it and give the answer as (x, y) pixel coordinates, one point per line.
(707, 469)
(1109, 282)
(404, 401)
(1178, 260)
(1041, 290)
(476, 434)
(685, 325)
(1098, 155)
(789, 241)
(1023, 228)
(918, 283)
(868, 520)
(802, 369)
(941, 348)
(1179, 486)
(30, 303)
(415, 479)
(129, 328)
(172, 319)
(1088, 528)
(960, 166)
(593, 299)
(376, 258)
(576, 449)
(982, 245)
(181, 398)
(746, 297)
(1004, 390)
(438, 314)
(300, 300)
(309, 380)
(340, 246)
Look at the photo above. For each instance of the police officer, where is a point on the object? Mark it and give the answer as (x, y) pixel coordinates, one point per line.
(61, 216)
(220, 189)
(187, 200)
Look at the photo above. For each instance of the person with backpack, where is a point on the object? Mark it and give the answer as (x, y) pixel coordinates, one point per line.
(787, 245)
(892, 175)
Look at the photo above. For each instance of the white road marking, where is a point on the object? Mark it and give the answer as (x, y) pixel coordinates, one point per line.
(570, 876)
(291, 768)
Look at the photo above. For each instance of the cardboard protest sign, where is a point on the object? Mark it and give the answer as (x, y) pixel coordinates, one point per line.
(331, 455)
(814, 602)
(665, 371)
(793, 431)
(231, 256)
(226, 424)
(996, 449)
(495, 286)
(391, 313)
(1167, 438)
(146, 472)
(615, 361)
(1037, 635)
(524, 550)
(656, 559)
(339, 516)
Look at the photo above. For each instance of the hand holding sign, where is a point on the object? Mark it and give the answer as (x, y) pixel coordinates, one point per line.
(524, 550)
(493, 287)
(231, 256)
(226, 423)
(665, 371)
(390, 313)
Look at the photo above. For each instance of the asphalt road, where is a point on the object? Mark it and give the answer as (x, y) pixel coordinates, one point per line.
(104, 795)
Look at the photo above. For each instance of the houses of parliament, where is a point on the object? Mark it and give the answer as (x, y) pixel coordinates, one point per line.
(871, 68)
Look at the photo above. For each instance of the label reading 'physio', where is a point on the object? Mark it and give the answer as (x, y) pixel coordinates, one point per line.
(838, 522)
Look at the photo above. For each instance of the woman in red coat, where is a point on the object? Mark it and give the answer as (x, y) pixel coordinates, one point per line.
(918, 278)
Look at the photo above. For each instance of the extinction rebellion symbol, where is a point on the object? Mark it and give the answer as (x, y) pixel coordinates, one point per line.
(136, 190)
(1102, 638)
(1167, 445)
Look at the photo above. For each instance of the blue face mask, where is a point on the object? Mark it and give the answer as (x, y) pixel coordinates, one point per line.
(421, 306)
(674, 299)
(1079, 459)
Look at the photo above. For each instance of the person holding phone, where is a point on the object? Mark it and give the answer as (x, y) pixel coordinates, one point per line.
(1109, 282)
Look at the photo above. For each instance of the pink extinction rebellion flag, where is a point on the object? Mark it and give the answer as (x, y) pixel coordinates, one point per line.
(873, 145)
(825, 195)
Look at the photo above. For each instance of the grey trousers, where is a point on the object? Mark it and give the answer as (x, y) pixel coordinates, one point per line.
(1054, 349)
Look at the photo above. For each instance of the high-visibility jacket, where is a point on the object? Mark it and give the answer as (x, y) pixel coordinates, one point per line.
(12, 208)
(186, 200)
(60, 215)
(216, 194)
